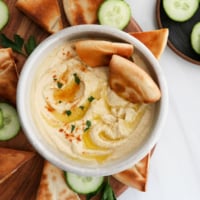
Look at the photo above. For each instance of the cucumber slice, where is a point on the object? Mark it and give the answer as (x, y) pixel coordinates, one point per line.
(4, 14)
(83, 184)
(115, 13)
(195, 37)
(180, 10)
(10, 122)
(1, 118)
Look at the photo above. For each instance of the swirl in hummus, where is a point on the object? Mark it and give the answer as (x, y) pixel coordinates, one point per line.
(77, 112)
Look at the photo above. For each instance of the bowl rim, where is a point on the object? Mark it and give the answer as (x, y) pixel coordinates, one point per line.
(21, 105)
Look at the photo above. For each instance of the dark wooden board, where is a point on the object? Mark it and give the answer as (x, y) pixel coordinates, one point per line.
(179, 33)
(23, 184)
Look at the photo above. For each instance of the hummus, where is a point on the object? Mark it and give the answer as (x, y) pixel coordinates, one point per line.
(77, 113)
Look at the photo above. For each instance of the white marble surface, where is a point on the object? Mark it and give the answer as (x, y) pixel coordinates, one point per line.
(175, 165)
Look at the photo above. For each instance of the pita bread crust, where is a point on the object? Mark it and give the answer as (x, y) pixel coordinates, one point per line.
(45, 13)
(11, 160)
(81, 12)
(137, 175)
(101, 51)
(53, 186)
(8, 75)
(155, 40)
(131, 82)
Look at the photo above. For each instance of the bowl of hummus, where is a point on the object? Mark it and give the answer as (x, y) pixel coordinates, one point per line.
(71, 114)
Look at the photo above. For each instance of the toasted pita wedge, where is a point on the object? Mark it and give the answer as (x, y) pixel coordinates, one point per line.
(98, 53)
(155, 40)
(11, 160)
(45, 13)
(81, 12)
(131, 82)
(53, 186)
(8, 76)
(137, 175)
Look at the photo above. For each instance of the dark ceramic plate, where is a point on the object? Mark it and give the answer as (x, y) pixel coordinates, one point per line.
(179, 33)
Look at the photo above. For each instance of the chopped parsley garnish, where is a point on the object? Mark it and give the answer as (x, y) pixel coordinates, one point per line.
(88, 125)
(59, 84)
(68, 112)
(72, 128)
(91, 98)
(76, 78)
(81, 107)
(59, 101)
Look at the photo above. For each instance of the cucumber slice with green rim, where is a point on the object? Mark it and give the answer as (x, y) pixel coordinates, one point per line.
(4, 14)
(195, 37)
(115, 13)
(83, 184)
(10, 122)
(180, 10)
(1, 118)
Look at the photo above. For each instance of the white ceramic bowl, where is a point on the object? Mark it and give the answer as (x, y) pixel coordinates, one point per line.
(23, 100)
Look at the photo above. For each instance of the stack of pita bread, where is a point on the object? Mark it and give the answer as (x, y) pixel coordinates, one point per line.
(47, 13)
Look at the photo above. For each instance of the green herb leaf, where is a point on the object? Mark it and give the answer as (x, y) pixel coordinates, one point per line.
(91, 98)
(108, 193)
(81, 107)
(72, 128)
(30, 45)
(16, 45)
(19, 41)
(76, 78)
(59, 84)
(88, 125)
(68, 112)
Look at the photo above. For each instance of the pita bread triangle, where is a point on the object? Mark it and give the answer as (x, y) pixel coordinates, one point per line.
(53, 186)
(137, 175)
(155, 40)
(8, 75)
(81, 12)
(11, 160)
(45, 13)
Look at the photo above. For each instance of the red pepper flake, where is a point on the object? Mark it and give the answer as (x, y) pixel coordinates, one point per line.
(61, 130)
(67, 135)
(78, 138)
(49, 108)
